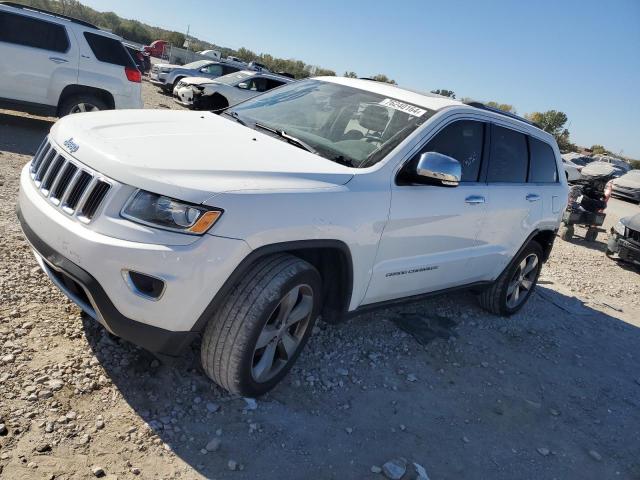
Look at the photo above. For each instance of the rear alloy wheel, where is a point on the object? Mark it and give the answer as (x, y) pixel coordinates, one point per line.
(514, 286)
(256, 335)
(522, 281)
(84, 107)
(81, 104)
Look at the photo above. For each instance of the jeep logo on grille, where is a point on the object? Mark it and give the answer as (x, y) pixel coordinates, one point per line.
(71, 145)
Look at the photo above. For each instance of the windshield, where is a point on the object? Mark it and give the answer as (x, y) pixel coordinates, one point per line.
(234, 78)
(344, 124)
(197, 64)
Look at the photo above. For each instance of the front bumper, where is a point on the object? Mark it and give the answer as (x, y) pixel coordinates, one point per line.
(627, 250)
(192, 273)
(628, 194)
(86, 292)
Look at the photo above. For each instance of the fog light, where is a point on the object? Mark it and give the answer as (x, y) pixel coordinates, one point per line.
(144, 285)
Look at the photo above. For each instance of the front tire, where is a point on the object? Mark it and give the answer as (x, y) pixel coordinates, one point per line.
(514, 286)
(254, 338)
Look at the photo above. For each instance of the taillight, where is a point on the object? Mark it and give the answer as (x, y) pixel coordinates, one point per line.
(607, 190)
(133, 74)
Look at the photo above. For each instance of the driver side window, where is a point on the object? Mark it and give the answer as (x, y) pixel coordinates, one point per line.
(464, 141)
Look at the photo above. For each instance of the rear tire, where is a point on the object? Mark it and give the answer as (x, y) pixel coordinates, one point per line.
(566, 232)
(254, 338)
(591, 235)
(81, 103)
(521, 275)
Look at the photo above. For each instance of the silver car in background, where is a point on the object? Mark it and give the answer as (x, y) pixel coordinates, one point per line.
(201, 93)
(167, 76)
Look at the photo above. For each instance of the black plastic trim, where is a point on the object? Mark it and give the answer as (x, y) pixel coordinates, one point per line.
(414, 298)
(250, 259)
(28, 107)
(149, 337)
(49, 12)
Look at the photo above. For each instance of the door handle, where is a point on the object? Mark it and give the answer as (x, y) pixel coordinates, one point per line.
(532, 197)
(58, 60)
(473, 199)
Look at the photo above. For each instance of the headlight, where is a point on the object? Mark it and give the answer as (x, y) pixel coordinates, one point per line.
(164, 212)
(619, 228)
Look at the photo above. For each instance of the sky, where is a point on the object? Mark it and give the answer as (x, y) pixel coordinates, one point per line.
(579, 57)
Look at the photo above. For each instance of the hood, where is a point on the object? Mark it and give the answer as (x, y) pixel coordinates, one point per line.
(191, 156)
(628, 181)
(199, 81)
(167, 66)
(632, 222)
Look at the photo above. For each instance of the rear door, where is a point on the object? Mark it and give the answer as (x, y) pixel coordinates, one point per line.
(514, 206)
(431, 234)
(37, 58)
(102, 64)
(545, 179)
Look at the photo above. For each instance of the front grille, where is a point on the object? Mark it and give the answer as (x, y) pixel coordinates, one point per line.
(69, 185)
(633, 235)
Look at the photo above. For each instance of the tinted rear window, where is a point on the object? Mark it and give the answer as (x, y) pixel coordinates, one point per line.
(31, 32)
(508, 161)
(109, 50)
(542, 163)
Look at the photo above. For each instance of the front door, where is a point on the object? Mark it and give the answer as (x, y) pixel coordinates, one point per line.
(34, 56)
(431, 234)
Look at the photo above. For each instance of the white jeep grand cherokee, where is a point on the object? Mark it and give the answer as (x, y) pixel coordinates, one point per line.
(325, 196)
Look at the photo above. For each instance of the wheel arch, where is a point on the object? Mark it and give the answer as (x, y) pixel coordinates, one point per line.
(71, 90)
(332, 258)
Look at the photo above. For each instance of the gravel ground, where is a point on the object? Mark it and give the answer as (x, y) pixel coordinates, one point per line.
(552, 392)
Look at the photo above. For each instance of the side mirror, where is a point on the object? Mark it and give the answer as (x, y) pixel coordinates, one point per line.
(438, 169)
(243, 85)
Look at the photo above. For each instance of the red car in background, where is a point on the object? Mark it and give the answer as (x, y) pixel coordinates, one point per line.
(157, 48)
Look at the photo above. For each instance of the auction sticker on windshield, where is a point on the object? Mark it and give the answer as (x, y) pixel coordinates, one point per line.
(403, 107)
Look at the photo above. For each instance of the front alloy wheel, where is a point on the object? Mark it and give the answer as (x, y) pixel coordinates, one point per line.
(282, 334)
(255, 336)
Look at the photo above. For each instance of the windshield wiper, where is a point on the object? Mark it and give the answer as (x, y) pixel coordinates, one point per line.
(235, 116)
(342, 160)
(289, 138)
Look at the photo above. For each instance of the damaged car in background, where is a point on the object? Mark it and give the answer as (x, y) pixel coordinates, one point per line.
(201, 93)
(167, 76)
(627, 186)
(624, 240)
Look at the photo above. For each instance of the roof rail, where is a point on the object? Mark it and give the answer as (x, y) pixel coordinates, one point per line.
(482, 106)
(49, 12)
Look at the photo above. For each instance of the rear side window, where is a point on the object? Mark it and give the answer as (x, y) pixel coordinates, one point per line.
(273, 83)
(542, 162)
(31, 32)
(109, 50)
(464, 141)
(509, 154)
(226, 69)
(214, 69)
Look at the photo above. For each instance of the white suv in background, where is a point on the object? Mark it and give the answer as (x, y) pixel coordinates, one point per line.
(55, 65)
(326, 196)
